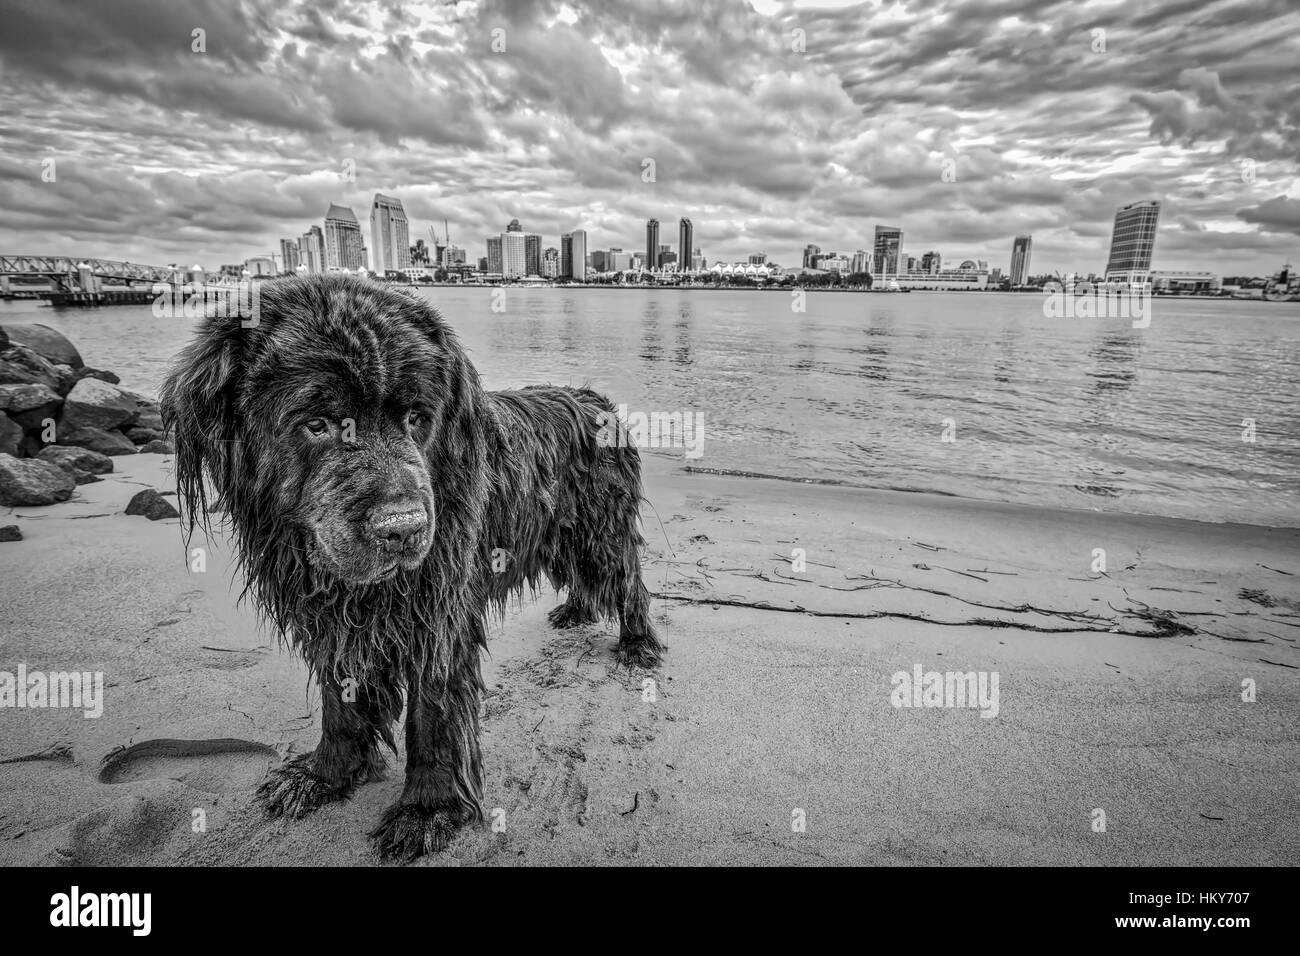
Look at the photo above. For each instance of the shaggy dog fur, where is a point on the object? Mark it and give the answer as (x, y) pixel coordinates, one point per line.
(382, 502)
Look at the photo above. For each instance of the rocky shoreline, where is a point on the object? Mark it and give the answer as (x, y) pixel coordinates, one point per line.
(62, 420)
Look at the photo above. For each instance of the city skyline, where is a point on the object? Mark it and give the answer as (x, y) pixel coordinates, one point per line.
(217, 156)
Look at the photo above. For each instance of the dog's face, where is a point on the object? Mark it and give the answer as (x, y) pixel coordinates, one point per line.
(337, 407)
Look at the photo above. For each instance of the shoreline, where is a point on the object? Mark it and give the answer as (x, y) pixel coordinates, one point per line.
(938, 493)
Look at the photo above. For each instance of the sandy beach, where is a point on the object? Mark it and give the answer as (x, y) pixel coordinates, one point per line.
(1120, 692)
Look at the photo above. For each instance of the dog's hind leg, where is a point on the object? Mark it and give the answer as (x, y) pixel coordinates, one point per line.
(444, 765)
(355, 717)
(638, 644)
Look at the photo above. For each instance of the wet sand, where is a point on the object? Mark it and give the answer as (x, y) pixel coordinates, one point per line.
(774, 704)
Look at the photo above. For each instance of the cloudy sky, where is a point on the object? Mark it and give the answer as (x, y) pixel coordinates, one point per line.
(770, 124)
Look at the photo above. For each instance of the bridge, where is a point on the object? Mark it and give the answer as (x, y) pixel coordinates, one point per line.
(74, 280)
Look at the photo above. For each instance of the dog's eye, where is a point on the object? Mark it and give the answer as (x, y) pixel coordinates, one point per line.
(317, 426)
(416, 419)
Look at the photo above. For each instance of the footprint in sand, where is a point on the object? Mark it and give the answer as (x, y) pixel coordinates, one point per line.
(214, 766)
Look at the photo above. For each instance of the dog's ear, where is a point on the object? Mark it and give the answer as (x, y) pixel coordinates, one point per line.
(199, 408)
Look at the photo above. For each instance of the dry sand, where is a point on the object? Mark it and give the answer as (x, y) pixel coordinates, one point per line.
(758, 712)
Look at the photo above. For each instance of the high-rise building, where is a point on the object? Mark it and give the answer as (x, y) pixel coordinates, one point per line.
(652, 244)
(861, 261)
(810, 253)
(532, 254)
(494, 254)
(513, 259)
(390, 240)
(342, 239)
(573, 255)
(452, 255)
(889, 242)
(311, 250)
(932, 263)
(697, 261)
(685, 240)
(1020, 249)
(1133, 239)
(288, 255)
(551, 262)
(757, 258)
(513, 226)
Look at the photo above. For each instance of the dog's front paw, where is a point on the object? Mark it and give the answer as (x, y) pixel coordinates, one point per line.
(294, 789)
(408, 830)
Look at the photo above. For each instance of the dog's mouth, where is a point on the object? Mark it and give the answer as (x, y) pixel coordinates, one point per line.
(358, 565)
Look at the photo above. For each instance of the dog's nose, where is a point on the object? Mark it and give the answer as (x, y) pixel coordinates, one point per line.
(396, 525)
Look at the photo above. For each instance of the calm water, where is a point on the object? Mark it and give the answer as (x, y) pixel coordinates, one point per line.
(1080, 412)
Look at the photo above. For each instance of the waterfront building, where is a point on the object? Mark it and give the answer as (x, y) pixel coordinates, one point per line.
(573, 255)
(1021, 248)
(311, 250)
(810, 253)
(260, 266)
(493, 255)
(532, 254)
(685, 240)
(513, 260)
(390, 240)
(888, 245)
(342, 239)
(551, 262)
(651, 244)
(1132, 241)
(288, 255)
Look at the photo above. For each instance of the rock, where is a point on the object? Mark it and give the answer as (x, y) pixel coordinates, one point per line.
(27, 482)
(31, 446)
(99, 373)
(148, 414)
(10, 532)
(152, 505)
(11, 436)
(157, 447)
(4, 338)
(141, 435)
(19, 365)
(45, 342)
(72, 459)
(84, 477)
(96, 439)
(96, 404)
(29, 405)
(67, 378)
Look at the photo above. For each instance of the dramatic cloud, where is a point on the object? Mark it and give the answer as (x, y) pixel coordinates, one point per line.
(206, 130)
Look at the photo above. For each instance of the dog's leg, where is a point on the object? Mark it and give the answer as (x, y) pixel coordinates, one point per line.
(575, 611)
(638, 644)
(444, 768)
(354, 719)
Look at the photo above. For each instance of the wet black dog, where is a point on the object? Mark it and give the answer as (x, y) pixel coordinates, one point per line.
(382, 502)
